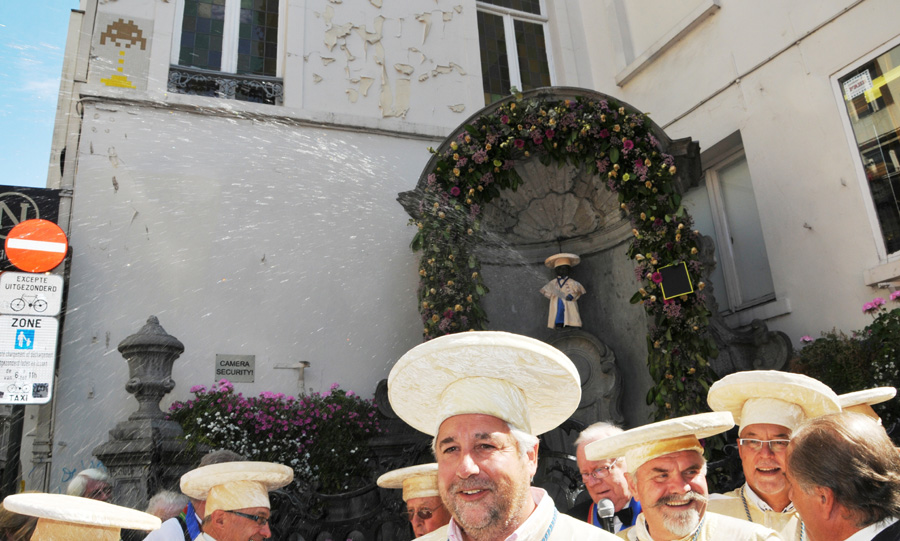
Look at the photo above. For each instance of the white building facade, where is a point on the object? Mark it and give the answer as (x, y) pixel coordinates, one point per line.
(261, 219)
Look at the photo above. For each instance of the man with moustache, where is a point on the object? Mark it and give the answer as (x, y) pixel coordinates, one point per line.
(768, 405)
(604, 479)
(844, 473)
(667, 474)
(424, 508)
(485, 396)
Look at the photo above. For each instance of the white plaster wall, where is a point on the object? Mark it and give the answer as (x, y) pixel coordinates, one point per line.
(244, 236)
(739, 71)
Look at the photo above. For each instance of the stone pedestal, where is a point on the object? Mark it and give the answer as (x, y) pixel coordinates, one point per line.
(144, 454)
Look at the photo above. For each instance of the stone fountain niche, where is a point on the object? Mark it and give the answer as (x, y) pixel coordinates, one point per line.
(564, 209)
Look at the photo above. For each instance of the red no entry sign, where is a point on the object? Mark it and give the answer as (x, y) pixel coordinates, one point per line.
(36, 246)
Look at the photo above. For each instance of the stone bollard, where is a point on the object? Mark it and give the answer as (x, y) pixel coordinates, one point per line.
(145, 453)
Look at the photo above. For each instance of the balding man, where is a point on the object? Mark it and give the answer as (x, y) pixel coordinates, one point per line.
(604, 480)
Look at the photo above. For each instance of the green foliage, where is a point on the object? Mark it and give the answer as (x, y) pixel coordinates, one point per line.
(865, 359)
(322, 436)
(603, 138)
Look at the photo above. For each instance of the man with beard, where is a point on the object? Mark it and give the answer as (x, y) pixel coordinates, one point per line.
(768, 405)
(844, 473)
(485, 396)
(604, 480)
(667, 474)
(424, 508)
(237, 498)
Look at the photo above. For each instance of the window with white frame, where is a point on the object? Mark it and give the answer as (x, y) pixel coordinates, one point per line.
(228, 48)
(514, 50)
(724, 207)
(868, 95)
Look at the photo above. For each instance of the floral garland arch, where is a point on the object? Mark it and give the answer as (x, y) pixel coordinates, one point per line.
(604, 137)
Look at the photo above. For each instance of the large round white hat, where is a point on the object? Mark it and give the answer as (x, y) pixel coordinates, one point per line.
(862, 401)
(235, 485)
(772, 397)
(61, 516)
(644, 443)
(518, 379)
(416, 481)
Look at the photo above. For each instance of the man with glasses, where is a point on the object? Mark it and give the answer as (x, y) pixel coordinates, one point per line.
(604, 480)
(768, 406)
(237, 498)
(93, 483)
(424, 508)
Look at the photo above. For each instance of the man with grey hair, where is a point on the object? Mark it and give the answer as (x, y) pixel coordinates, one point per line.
(92, 483)
(167, 504)
(484, 397)
(604, 480)
(845, 479)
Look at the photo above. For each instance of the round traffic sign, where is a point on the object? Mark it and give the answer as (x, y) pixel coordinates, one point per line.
(36, 245)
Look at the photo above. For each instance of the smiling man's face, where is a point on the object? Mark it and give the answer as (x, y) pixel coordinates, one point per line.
(763, 468)
(482, 479)
(672, 491)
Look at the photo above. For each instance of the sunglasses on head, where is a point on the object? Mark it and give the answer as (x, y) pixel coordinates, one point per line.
(423, 513)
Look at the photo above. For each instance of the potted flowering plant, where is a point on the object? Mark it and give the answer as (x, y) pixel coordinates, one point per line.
(867, 358)
(322, 436)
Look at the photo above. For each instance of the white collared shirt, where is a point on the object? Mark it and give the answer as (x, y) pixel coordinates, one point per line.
(759, 502)
(871, 530)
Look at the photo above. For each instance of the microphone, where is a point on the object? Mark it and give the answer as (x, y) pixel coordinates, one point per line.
(605, 510)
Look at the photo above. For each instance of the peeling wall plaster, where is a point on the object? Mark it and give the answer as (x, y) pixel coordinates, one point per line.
(368, 40)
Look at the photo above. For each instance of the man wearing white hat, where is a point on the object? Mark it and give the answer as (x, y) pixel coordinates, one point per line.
(424, 508)
(768, 405)
(563, 292)
(862, 401)
(667, 474)
(237, 498)
(484, 396)
(74, 518)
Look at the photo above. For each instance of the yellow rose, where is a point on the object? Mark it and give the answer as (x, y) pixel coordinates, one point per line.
(621, 110)
(435, 318)
(474, 275)
(487, 146)
(672, 170)
(453, 145)
(458, 308)
(421, 272)
(643, 215)
(433, 291)
(469, 298)
(617, 128)
(693, 251)
(449, 283)
(441, 214)
(456, 171)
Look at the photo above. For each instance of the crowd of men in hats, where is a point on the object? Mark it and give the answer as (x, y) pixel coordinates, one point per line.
(818, 466)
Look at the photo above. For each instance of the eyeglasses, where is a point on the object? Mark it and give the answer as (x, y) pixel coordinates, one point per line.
(600, 473)
(423, 513)
(259, 519)
(776, 446)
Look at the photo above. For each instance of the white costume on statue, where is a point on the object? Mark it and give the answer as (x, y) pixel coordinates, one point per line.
(738, 503)
(712, 527)
(536, 526)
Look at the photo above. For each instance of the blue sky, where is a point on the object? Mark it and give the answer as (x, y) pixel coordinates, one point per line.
(32, 43)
